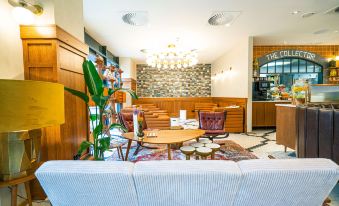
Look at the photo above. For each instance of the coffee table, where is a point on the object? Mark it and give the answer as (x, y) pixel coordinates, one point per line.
(164, 137)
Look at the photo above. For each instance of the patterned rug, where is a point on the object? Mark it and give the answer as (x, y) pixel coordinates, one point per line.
(229, 150)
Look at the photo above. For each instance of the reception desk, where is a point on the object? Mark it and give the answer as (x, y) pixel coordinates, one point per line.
(286, 125)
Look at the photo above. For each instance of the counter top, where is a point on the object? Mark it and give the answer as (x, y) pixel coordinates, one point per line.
(285, 105)
(272, 101)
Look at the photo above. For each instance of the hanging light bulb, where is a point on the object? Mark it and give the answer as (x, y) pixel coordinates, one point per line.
(172, 66)
(158, 66)
(185, 65)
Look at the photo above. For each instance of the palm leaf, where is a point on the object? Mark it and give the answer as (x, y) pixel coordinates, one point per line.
(118, 126)
(84, 146)
(92, 78)
(79, 94)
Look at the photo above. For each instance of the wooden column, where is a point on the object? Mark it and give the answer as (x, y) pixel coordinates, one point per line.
(51, 54)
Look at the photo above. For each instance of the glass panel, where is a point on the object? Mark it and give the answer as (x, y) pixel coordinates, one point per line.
(271, 67)
(263, 69)
(317, 68)
(310, 67)
(287, 65)
(294, 65)
(279, 66)
(302, 66)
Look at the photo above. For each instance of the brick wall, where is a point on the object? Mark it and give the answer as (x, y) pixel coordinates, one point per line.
(325, 51)
(185, 82)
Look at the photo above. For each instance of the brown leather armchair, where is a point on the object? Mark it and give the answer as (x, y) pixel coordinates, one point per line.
(213, 123)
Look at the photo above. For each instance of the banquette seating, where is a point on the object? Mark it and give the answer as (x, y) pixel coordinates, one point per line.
(292, 182)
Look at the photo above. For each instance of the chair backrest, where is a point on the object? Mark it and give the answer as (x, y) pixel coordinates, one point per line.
(88, 183)
(212, 120)
(126, 119)
(198, 183)
(291, 182)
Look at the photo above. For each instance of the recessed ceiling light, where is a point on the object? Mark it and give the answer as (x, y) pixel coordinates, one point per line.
(135, 18)
(308, 14)
(335, 31)
(223, 18)
(295, 12)
(321, 31)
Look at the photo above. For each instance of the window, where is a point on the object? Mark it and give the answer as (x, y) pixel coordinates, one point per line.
(290, 65)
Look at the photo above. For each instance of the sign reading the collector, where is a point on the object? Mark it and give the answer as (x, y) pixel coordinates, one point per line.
(288, 53)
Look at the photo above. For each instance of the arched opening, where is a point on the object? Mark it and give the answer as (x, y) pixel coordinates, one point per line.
(286, 70)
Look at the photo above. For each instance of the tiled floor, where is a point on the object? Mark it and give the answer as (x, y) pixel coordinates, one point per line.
(261, 143)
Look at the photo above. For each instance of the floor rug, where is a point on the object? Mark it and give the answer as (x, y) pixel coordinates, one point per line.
(229, 150)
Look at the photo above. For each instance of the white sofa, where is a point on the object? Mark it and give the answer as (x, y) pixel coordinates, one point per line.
(294, 182)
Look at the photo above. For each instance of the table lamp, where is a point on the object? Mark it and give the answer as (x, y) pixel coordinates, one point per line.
(26, 107)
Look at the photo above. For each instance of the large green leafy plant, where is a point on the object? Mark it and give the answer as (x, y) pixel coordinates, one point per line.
(101, 141)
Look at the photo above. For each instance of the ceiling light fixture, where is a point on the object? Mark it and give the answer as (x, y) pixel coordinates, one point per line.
(135, 18)
(171, 57)
(221, 18)
(24, 12)
(308, 14)
(295, 12)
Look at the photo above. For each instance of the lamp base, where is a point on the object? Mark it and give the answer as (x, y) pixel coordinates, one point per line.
(19, 151)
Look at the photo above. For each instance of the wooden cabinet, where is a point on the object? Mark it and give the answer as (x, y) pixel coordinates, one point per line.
(264, 113)
(51, 54)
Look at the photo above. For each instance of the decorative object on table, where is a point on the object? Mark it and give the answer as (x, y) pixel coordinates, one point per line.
(214, 124)
(140, 120)
(25, 108)
(101, 142)
(300, 92)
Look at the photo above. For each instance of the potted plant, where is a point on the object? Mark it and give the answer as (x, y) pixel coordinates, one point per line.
(101, 139)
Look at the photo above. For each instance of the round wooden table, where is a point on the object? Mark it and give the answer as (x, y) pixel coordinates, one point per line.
(164, 137)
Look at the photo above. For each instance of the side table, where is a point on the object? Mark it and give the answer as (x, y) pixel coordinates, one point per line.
(14, 185)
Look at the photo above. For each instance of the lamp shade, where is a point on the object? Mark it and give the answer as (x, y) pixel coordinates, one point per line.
(27, 105)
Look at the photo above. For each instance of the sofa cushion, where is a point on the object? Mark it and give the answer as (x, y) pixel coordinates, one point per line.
(286, 182)
(197, 183)
(88, 183)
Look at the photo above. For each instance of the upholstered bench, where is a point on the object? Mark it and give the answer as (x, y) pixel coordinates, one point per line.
(292, 182)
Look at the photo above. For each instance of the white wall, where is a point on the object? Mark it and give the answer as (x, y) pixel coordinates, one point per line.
(129, 67)
(235, 82)
(69, 16)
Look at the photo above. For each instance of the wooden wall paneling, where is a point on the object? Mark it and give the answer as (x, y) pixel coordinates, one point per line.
(174, 104)
(51, 54)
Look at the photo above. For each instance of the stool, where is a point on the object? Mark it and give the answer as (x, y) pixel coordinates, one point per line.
(196, 145)
(214, 147)
(188, 151)
(205, 141)
(203, 152)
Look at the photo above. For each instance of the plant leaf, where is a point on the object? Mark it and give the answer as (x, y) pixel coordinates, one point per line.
(131, 92)
(92, 78)
(79, 94)
(97, 130)
(118, 126)
(93, 117)
(84, 146)
(104, 143)
(100, 100)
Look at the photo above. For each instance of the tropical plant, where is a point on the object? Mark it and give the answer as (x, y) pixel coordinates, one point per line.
(101, 141)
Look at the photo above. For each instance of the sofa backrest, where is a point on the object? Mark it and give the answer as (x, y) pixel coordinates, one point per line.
(286, 182)
(88, 183)
(180, 183)
(291, 182)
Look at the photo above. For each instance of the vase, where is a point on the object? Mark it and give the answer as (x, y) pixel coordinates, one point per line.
(140, 131)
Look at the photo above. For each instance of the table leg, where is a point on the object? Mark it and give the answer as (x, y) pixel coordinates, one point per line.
(169, 151)
(14, 195)
(28, 193)
(128, 147)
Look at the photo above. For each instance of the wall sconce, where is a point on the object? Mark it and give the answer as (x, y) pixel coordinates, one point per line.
(24, 12)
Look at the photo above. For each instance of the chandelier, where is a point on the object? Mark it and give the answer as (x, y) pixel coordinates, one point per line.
(172, 58)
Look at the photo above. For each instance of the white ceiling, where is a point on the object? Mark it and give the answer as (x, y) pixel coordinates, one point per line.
(269, 21)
